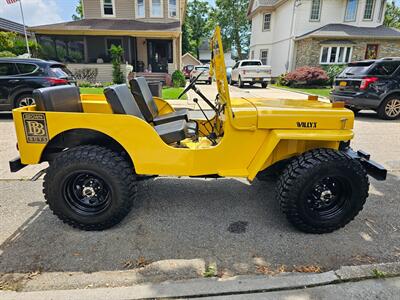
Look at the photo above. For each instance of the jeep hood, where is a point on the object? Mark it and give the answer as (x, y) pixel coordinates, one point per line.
(290, 114)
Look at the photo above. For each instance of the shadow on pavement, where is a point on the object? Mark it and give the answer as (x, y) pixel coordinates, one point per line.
(226, 221)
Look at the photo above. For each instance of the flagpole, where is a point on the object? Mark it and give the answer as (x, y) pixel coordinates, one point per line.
(26, 35)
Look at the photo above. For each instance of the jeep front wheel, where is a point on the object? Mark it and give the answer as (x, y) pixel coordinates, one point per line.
(90, 187)
(322, 190)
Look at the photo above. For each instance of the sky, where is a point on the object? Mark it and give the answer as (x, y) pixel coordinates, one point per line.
(38, 12)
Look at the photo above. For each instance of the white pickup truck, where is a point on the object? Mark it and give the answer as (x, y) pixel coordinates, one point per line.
(250, 71)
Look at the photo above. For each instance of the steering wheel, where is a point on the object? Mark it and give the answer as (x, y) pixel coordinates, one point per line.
(191, 85)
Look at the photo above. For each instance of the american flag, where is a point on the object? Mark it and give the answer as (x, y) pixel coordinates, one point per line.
(11, 1)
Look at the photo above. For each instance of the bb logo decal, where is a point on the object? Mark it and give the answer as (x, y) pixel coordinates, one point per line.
(35, 126)
(307, 124)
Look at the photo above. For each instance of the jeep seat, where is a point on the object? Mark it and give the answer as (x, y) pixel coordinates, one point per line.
(121, 101)
(142, 94)
(62, 98)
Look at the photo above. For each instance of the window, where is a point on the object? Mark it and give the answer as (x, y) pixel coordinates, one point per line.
(62, 48)
(335, 55)
(381, 9)
(385, 69)
(267, 22)
(26, 68)
(172, 8)
(372, 51)
(264, 57)
(156, 8)
(111, 41)
(108, 8)
(250, 63)
(7, 69)
(315, 10)
(140, 9)
(369, 9)
(351, 10)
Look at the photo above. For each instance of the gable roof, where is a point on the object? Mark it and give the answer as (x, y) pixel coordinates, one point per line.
(344, 30)
(187, 54)
(93, 26)
(7, 25)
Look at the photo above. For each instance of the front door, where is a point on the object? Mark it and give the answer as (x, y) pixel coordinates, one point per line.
(159, 55)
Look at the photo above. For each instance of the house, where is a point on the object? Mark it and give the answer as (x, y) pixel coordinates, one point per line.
(205, 54)
(288, 34)
(10, 26)
(189, 59)
(149, 31)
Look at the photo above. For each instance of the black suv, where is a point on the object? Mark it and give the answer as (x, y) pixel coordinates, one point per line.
(19, 77)
(370, 84)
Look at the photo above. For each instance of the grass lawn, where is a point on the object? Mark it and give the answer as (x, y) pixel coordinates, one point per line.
(323, 91)
(167, 93)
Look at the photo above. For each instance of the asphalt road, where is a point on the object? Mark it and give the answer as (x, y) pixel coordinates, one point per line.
(194, 218)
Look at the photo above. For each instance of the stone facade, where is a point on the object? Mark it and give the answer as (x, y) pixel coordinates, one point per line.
(308, 51)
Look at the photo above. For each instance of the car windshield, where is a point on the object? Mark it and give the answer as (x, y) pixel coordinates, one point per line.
(60, 71)
(356, 69)
(251, 63)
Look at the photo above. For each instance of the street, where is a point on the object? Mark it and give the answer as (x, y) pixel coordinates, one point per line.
(226, 222)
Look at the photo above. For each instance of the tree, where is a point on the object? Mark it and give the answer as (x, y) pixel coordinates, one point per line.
(392, 15)
(13, 43)
(186, 47)
(79, 12)
(117, 53)
(231, 15)
(198, 24)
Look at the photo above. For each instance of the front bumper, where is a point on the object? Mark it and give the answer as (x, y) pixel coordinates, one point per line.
(373, 168)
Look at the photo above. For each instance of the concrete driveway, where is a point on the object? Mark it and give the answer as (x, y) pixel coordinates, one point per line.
(228, 222)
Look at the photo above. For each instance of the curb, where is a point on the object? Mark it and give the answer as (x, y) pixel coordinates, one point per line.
(219, 287)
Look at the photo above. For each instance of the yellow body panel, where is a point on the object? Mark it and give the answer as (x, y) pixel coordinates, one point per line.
(255, 134)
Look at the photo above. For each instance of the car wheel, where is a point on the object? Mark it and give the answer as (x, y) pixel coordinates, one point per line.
(231, 82)
(24, 100)
(322, 190)
(90, 187)
(264, 85)
(353, 109)
(240, 82)
(390, 108)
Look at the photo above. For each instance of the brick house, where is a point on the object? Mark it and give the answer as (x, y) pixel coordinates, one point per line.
(288, 34)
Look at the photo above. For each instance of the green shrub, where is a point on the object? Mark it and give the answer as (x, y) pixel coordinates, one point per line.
(332, 71)
(116, 54)
(281, 80)
(7, 54)
(178, 79)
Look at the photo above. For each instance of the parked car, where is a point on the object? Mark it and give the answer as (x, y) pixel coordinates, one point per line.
(205, 76)
(186, 70)
(370, 84)
(19, 77)
(252, 72)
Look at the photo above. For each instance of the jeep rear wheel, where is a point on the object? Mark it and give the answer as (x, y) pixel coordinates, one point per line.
(390, 108)
(90, 187)
(322, 190)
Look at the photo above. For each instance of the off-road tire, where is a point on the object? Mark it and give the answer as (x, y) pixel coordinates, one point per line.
(300, 179)
(240, 83)
(115, 172)
(382, 110)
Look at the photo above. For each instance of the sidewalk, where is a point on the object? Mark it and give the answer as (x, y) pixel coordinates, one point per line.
(354, 282)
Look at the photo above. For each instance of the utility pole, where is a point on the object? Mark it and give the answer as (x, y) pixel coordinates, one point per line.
(26, 35)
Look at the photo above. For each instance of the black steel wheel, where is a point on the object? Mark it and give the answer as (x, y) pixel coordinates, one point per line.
(90, 187)
(322, 190)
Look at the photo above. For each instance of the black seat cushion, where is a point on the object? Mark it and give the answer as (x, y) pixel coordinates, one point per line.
(121, 100)
(142, 94)
(63, 98)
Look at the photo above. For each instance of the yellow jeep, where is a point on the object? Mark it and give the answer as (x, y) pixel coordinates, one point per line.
(99, 146)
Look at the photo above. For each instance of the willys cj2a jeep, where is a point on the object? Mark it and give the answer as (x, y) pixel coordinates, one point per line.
(98, 147)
